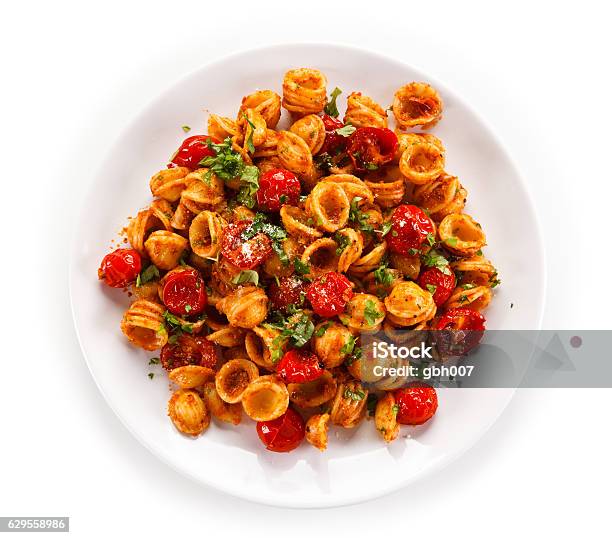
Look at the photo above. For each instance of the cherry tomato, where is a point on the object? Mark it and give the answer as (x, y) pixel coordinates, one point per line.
(410, 227)
(334, 143)
(371, 147)
(284, 433)
(119, 268)
(461, 319)
(289, 290)
(193, 150)
(443, 283)
(416, 404)
(329, 294)
(244, 254)
(299, 366)
(184, 293)
(189, 350)
(278, 187)
(459, 331)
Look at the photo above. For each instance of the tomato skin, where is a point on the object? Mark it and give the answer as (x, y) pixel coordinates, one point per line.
(416, 404)
(188, 350)
(193, 150)
(299, 366)
(445, 284)
(461, 319)
(289, 290)
(244, 254)
(120, 268)
(274, 184)
(284, 433)
(371, 147)
(333, 143)
(184, 293)
(329, 294)
(410, 227)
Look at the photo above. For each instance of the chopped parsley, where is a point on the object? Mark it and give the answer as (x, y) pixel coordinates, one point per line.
(494, 281)
(246, 277)
(323, 162)
(347, 130)
(276, 233)
(362, 219)
(347, 349)
(434, 259)
(343, 241)
(250, 145)
(356, 395)
(370, 313)
(177, 324)
(371, 404)
(331, 108)
(321, 330)
(301, 268)
(383, 276)
(431, 239)
(468, 286)
(297, 329)
(431, 288)
(185, 128)
(451, 241)
(154, 360)
(386, 228)
(395, 409)
(188, 308)
(146, 275)
(371, 166)
(151, 375)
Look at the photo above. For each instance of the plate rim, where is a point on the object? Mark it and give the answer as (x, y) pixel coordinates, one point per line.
(279, 501)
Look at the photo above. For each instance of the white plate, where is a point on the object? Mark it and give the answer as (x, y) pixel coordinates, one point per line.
(357, 466)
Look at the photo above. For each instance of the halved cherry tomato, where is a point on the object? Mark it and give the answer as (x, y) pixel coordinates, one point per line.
(299, 366)
(334, 143)
(416, 404)
(410, 227)
(184, 293)
(443, 284)
(284, 433)
(461, 319)
(458, 331)
(329, 294)
(278, 187)
(242, 253)
(289, 290)
(120, 267)
(371, 147)
(193, 150)
(189, 350)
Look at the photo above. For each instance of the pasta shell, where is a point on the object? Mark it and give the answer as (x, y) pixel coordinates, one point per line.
(221, 410)
(417, 104)
(247, 307)
(477, 298)
(222, 128)
(311, 129)
(370, 261)
(262, 343)
(321, 256)
(269, 148)
(409, 266)
(227, 336)
(328, 346)
(265, 102)
(304, 91)
(182, 217)
(385, 418)
(202, 192)
(268, 162)
(352, 243)
(205, 234)
(475, 270)
(254, 127)
(154, 217)
(233, 378)
(144, 326)
(422, 161)
(169, 183)
(191, 376)
(298, 223)
(265, 398)
(352, 186)
(329, 206)
(188, 412)
(363, 111)
(348, 407)
(165, 249)
(313, 393)
(293, 153)
(363, 312)
(461, 234)
(387, 194)
(441, 197)
(372, 285)
(409, 304)
(317, 427)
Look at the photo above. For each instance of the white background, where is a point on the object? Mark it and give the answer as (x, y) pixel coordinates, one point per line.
(73, 74)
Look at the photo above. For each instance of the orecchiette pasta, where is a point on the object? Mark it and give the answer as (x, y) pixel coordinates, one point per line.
(188, 412)
(363, 111)
(233, 378)
(285, 250)
(417, 104)
(304, 91)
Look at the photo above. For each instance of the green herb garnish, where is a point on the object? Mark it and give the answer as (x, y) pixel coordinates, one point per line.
(331, 108)
(370, 313)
